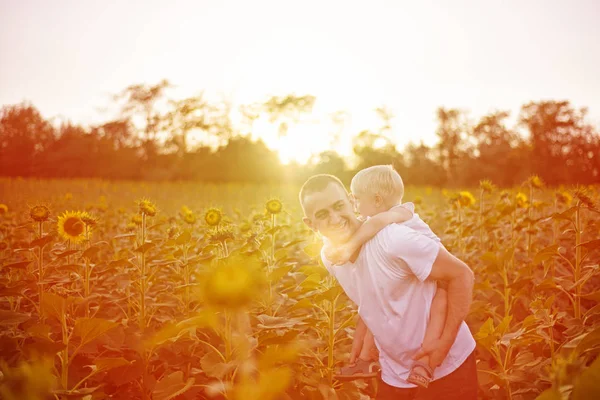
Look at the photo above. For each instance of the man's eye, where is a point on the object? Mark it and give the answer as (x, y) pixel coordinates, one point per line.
(321, 215)
(338, 206)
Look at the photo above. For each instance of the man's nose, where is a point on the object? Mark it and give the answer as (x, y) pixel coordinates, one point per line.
(335, 218)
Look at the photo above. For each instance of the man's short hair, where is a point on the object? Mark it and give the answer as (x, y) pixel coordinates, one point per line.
(317, 183)
(381, 179)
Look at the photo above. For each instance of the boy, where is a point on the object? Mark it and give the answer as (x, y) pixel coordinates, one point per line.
(377, 194)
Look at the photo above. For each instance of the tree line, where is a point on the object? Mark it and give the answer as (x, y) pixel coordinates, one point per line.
(551, 138)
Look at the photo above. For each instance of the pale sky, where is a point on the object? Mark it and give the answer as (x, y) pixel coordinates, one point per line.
(69, 57)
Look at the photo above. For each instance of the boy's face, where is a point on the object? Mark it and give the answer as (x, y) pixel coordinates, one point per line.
(367, 205)
(330, 213)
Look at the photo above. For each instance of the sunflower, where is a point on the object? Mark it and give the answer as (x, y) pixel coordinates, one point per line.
(487, 186)
(213, 216)
(89, 220)
(233, 282)
(564, 197)
(147, 207)
(71, 227)
(189, 218)
(220, 234)
(521, 200)
(3, 209)
(39, 213)
(274, 206)
(136, 219)
(536, 182)
(466, 199)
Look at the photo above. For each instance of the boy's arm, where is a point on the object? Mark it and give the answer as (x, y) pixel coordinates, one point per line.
(368, 230)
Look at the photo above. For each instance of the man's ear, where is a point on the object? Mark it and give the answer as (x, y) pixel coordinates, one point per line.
(308, 223)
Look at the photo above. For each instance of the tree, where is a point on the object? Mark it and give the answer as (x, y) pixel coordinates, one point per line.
(564, 147)
(24, 137)
(196, 114)
(374, 149)
(288, 110)
(451, 131)
(140, 103)
(497, 152)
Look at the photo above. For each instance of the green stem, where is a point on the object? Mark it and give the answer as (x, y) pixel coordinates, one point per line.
(578, 260)
(143, 277)
(41, 268)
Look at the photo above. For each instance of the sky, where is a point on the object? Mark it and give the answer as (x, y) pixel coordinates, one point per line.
(68, 57)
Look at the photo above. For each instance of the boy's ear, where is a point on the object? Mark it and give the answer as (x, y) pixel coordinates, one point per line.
(378, 200)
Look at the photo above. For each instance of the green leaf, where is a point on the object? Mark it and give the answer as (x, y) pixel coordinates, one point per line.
(41, 242)
(565, 215)
(268, 322)
(184, 238)
(592, 339)
(586, 385)
(592, 296)
(213, 365)
(66, 254)
(90, 252)
(312, 281)
(545, 254)
(12, 318)
(53, 305)
(550, 394)
(313, 250)
(104, 364)
(591, 245)
(89, 329)
(20, 264)
(145, 247)
(279, 273)
(171, 386)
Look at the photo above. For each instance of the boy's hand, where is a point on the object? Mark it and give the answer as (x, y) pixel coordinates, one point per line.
(339, 255)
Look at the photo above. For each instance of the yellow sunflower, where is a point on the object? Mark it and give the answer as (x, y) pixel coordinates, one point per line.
(89, 220)
(521, 200)
(564, 197)
(39, 213)
(136, 219)
(466, 199)
(213, 216)
(71, 227)
(233, 282)
(487, 186)
(274, 206)
(189, 218)
(536, 182)
(147, 207)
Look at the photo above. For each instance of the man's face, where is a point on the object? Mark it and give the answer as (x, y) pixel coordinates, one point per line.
(331, 213)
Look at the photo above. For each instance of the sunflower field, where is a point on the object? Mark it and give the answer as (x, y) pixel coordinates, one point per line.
(179, 290)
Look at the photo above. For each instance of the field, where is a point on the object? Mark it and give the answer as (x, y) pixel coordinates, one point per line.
(130, 290)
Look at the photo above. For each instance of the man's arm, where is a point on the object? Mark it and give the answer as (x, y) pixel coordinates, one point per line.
(459, 280)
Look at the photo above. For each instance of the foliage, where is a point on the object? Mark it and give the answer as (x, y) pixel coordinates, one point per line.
(142, 308)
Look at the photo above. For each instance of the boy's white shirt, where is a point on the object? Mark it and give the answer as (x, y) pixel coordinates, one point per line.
(387, 282)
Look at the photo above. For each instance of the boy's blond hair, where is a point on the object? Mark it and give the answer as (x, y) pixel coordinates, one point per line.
(381, 179)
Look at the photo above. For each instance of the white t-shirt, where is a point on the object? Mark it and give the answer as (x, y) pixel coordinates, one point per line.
(387, 282)
(417, 223)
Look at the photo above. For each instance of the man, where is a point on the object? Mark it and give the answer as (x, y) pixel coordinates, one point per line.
(391, 279)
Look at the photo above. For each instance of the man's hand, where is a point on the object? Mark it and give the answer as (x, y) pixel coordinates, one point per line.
(436, 350)
(358, 340)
